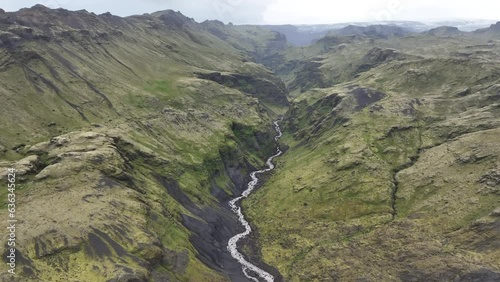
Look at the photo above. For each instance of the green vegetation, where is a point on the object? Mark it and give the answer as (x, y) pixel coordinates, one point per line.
(104, 120)
(394, 188)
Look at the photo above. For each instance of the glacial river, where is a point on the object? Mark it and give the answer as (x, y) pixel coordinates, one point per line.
(232, 245)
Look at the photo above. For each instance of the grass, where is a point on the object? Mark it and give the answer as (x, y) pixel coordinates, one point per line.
(170, 123)
(167, 88)
(334, 184)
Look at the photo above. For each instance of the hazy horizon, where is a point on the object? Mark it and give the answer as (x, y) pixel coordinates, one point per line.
(283, 12)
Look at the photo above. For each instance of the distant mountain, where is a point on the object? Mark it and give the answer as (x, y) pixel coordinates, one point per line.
(373, 31)
(493, 29)
(463, 25)
(445, 31)
(303, 35)
(296, 35)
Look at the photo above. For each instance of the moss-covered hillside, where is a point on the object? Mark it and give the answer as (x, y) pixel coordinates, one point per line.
(125, 153)
(392, 172)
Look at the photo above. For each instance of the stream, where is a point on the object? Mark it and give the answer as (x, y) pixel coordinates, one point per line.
(232, 245)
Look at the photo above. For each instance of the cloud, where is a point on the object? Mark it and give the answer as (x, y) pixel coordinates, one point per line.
(327, 11)
(319, 11)
(283, 11)
(236, 11)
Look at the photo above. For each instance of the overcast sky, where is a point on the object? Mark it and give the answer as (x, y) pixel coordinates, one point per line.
(285, 11)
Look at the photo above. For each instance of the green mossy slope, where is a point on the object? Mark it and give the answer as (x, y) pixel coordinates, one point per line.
(103, 115)
(391, 173)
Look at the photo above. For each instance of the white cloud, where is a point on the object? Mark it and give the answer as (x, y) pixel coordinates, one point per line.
(318, 11)
(285, 11)
(324, 11)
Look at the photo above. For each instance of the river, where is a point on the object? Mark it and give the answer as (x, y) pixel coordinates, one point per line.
(232, 245)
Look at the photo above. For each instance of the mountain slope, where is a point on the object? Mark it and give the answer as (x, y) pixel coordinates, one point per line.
(125, 155)
(444, 31)
(392, 170)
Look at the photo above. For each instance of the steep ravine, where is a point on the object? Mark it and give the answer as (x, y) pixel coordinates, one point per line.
(247, 267)
(395, 183)
(212, 227)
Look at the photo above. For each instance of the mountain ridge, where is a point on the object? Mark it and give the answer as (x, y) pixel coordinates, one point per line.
(132, 150)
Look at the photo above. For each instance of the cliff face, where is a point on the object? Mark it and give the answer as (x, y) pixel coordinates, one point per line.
(125, 156)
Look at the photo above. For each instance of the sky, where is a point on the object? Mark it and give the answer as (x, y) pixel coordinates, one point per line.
(285, 11)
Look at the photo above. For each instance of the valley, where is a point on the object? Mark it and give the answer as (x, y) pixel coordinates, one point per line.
(134, 137)
(390, 145)
(232, 244)
(125, 157)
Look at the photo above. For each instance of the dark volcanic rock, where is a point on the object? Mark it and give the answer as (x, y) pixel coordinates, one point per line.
(482, 275)
(210, 233)
(366, 97)
(464, 92)
(375, 57)
(444, 31)
(492, 178)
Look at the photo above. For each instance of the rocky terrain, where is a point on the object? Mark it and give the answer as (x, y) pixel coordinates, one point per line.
(130, 135)
(126, 147)
(392, 168)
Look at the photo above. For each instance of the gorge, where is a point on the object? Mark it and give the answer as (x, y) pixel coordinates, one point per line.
(135, 140)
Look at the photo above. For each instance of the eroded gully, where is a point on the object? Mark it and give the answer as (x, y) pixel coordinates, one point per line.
(249, 269)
